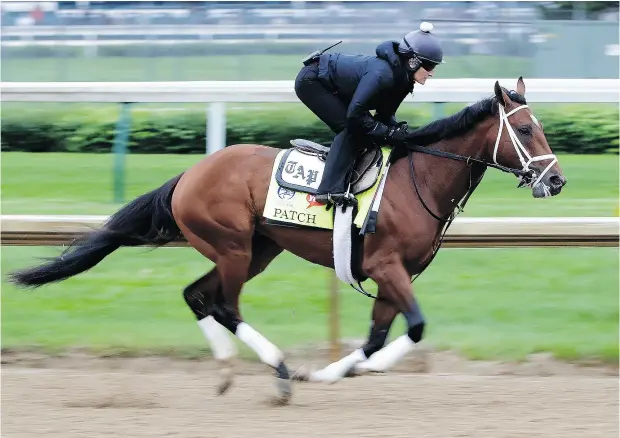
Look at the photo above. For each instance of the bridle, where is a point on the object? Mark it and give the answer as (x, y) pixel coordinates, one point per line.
(522, 153)
(525, 174)
(527, 177)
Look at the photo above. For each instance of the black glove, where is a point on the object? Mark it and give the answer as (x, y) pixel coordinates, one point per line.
(397, 135)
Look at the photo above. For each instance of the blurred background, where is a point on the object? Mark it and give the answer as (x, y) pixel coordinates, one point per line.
(88, 158)
(145, 41)
(219, 40)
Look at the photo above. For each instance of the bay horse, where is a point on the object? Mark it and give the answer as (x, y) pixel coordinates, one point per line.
(217, 206)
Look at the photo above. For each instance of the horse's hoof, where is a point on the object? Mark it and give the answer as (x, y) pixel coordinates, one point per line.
(302, 374)
(352, 372)
(285, 392)
(226, 374)
(223, 387)
(281, 400)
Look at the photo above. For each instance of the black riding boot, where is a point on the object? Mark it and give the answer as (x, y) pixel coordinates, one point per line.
(337, 167)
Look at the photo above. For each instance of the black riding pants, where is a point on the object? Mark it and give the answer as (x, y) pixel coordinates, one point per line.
(333, 112)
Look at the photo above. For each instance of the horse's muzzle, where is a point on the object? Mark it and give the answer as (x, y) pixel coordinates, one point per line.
(550, 185)
(557, 182)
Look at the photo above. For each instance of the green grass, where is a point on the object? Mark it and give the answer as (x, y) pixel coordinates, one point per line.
(485, 304)
(83, 184)
(209, 68)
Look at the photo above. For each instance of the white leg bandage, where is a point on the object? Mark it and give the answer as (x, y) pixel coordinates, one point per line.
(266, 351)
(219, 338)
(337, 370)
(387, 357)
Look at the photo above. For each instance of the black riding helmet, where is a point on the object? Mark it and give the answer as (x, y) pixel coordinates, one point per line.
(421, 48)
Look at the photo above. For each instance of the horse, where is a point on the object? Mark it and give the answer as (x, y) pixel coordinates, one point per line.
(217, 205)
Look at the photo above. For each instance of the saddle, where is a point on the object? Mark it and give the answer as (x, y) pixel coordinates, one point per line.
(304, 174)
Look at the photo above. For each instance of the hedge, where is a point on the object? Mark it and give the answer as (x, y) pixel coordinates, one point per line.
(568, 129)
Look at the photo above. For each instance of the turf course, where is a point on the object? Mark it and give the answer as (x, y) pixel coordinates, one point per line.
(502, 303)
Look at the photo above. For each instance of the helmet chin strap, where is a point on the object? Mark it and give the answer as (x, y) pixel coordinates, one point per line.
(522, 153)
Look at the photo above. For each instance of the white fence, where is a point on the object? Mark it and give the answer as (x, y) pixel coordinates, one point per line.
(218, 93)
(436, 90)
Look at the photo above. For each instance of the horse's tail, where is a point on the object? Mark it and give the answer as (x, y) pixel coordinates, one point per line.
(147, 220)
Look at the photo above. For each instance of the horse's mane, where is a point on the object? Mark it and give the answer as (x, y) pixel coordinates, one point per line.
(461, 122)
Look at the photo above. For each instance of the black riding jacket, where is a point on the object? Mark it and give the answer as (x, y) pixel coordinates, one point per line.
(366, 83)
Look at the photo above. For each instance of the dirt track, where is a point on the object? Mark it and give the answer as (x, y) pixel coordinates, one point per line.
(162, 398)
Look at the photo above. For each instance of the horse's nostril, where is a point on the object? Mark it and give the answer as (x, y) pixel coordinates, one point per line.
(557, 181)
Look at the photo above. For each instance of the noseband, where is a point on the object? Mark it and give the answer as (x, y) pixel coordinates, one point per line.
(522, 153)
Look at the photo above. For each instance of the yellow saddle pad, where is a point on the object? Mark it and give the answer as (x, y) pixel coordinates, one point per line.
(287, 203)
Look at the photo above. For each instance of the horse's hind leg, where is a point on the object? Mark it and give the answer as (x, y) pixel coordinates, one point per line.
(201, 296)
(219, 293)
(234, 269)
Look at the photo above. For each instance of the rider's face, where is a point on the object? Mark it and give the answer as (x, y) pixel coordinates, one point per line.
(421, 75)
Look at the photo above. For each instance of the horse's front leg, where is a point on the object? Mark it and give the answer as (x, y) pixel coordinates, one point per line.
(383, 314)
(394, 281)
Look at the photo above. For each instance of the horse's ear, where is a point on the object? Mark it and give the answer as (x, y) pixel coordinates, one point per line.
(521, 86)
(502, 97)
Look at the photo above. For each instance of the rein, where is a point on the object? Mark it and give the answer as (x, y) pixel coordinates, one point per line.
(468, 160)
(460, 206)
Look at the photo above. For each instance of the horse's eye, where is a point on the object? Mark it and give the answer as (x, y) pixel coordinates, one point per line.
(525, 130)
